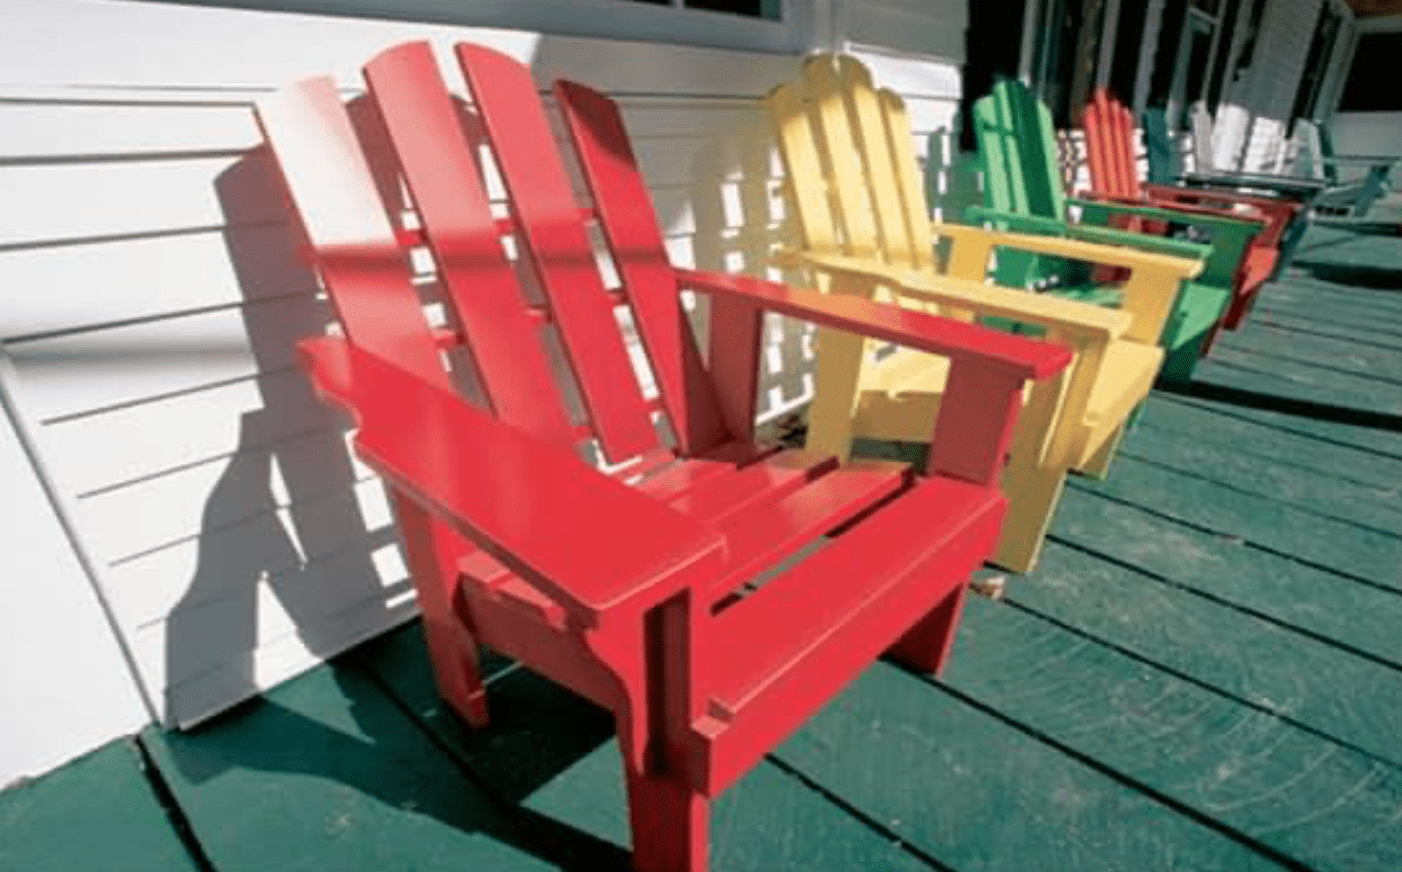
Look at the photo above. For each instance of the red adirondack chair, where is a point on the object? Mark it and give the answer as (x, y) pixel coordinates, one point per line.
(629, 588)
(1109, 130)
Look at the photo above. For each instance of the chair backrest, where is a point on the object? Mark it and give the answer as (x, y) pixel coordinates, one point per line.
(851, 168)
(1021, 171)
(1309, 146)
(1165, 163)
(1018, 152)
(1109, 129)
(1201, 121)
(365, 261)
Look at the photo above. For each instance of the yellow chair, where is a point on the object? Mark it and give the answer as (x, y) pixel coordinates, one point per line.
(855, 192)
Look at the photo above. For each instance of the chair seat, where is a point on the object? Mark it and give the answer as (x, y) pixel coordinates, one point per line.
(768, 504)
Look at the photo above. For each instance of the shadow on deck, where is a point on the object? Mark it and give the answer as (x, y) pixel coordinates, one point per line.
(1205, 673)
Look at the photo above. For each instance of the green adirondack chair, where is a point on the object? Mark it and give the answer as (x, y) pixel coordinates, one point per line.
(1024, 192)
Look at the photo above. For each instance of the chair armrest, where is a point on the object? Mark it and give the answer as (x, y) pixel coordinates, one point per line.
(1108, 235)
(591, 543)
(1211, 221)
(1075, 319)
(1289, 186)
(1269, 207)
(1161, 202)
(1373, 159)
(1023, 358)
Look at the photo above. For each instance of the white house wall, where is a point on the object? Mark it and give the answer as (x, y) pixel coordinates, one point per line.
(64, 688)
(152, 293)
(1253, 117)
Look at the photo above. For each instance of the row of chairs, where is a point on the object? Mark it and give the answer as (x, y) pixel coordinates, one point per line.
(709, 588)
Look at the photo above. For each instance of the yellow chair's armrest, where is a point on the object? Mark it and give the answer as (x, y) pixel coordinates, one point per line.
(1073, 318)
(1072, 249)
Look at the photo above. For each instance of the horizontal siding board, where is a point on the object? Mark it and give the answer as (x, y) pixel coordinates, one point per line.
(195, 427)
(56, 289)
(226, 561)
(82, 373)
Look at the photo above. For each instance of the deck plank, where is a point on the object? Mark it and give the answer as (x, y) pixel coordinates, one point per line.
(97, 812)
(1271, 783)
(327, 773)
(554, 755)
(1352, 700)
(983, 794)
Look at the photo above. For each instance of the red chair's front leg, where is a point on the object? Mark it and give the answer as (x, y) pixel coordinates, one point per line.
(925, 647)
(670, 823)
(433, 550)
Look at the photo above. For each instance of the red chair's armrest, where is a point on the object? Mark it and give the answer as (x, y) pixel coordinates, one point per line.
(588, 541)
(1272, 208)
(987, 371)
(957, 340)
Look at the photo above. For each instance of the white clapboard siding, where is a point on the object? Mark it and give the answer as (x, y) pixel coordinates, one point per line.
(151, 293)
(934, 28)
(1251, 122)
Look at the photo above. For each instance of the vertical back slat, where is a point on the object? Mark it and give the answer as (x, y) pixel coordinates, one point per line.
(448, 193)
(909, 183)
(837, 141)
(1124, 126)
(559, 247)
(629, 223)
(798, 148)
(362, 265)
(898, 240)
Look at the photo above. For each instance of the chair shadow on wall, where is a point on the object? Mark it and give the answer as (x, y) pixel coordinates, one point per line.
(315, 554)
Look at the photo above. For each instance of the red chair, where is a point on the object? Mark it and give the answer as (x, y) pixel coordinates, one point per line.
(632, 588)
(1109, 130)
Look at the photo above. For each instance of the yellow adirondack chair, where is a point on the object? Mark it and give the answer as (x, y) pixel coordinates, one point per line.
(855, 192)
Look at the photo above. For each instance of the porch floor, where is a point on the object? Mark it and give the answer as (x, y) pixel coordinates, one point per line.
(1205, 673)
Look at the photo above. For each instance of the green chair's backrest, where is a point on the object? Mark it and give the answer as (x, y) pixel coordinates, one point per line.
(1165, 166)
(1021, 173)
(1017, 146)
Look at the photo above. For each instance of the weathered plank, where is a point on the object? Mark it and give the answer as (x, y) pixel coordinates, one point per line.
(1374, 505)
(1344, 547)
(98, 812)
(982, 794)
(327, 773)
(1350, 699)
(1270, 783)
(1350, 614)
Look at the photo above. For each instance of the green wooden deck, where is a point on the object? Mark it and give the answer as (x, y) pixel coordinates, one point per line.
(1204, 674)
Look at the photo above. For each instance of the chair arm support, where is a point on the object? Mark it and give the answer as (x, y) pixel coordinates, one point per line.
(1023, 358)
(532, 505)
(1108, 235)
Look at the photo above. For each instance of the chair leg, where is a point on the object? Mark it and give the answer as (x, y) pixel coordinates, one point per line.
(1099, 464)
(1032, 498)
(432, 550)
(925, 647)
(670, 824)
(456, 669)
